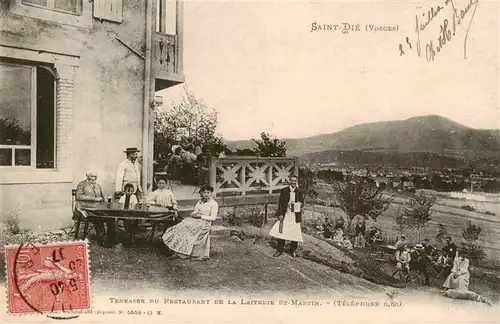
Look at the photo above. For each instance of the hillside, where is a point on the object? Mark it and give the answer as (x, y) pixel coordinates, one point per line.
(386, 158)
(434, 134)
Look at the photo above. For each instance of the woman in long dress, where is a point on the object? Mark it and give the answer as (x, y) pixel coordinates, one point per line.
(459, 276)
(191, 237)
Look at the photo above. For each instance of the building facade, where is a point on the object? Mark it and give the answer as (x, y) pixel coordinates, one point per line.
(78, 81)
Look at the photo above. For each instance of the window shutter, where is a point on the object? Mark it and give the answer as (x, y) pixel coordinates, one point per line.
(111, 10)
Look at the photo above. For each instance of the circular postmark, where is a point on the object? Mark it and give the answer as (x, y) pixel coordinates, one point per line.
(46, 277)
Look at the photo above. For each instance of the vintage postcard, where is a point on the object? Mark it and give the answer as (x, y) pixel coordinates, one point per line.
(189, 161)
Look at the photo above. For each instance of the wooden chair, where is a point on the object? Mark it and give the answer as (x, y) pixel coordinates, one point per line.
(77, 218)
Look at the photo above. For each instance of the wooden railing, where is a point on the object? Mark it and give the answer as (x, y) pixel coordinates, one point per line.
(243, 175)
(167, 60)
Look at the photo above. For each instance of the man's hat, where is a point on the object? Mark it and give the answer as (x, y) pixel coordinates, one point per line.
(419, 246)
(131, 150)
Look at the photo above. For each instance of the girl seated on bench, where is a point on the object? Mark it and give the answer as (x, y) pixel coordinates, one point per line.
(191, 237)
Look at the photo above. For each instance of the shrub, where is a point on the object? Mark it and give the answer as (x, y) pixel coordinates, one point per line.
(474, 252)
(231, 218)
(257, 217)
(468, 208)
(11, 220)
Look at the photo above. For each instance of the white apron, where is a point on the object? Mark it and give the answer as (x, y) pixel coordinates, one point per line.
(291, 229)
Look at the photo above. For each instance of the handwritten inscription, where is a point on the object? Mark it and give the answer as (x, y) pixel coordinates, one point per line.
(447, 29)
(346, 28)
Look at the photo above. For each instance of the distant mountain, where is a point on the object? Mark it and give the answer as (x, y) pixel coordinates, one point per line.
(431, 134)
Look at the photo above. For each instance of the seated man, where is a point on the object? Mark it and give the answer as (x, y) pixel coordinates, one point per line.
(403, 259)
(328, 228)
(174, 167)
(400, 242)
(441, 259)
(429, 249)
(419, 261)
(188, 162)
(89, 190)
(441, 263)
(375, 236)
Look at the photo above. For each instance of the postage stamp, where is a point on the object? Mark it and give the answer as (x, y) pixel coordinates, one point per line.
(47, 278)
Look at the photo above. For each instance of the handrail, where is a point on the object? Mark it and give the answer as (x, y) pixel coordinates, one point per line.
(250, 174)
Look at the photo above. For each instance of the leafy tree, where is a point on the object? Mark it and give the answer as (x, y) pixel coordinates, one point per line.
(361, 197)
(191, 120)
(268, 146)
(416, 213)
(474, 252)
(307, 181)
(398, 225)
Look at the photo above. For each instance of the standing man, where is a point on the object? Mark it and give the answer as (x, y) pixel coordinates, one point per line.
(450, 249)
(89, 190)
(289, 215)
(129, 172)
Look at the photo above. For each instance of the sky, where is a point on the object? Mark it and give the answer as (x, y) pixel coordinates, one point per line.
(263, 69)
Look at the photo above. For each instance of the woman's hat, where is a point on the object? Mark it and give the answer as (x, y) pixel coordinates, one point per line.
(131, 150)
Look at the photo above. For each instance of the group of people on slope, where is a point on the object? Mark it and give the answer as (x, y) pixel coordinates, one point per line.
(335, 232)
(421, 256)
(449, 259)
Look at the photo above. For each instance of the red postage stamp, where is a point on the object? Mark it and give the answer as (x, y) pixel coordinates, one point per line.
(48, 278)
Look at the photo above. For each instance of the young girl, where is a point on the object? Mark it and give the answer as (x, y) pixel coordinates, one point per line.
(191, 237)
(162, 196)
(129, 200)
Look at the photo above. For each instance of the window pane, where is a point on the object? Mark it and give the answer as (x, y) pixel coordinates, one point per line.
(45, 123)
(171, 18)
(68, 5)
(42, 3)
(5, 156)
(166, 18)
(15, 105)
(23, 157)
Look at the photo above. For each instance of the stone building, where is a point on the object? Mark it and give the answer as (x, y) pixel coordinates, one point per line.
(78, 81)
